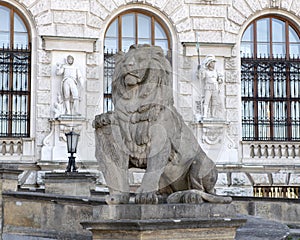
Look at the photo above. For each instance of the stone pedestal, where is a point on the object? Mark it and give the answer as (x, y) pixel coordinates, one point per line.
(54, 154)
(172, 229)
(164, 221)
(9, 179)
(213, 137)
(72, 184)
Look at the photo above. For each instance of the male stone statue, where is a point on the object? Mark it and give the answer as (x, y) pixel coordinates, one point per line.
(70, 85)
(146, 131)
(213, 103)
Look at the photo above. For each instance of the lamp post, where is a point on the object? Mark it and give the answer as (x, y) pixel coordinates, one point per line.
(72, 141)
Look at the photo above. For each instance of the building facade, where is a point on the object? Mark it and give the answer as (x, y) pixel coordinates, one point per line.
(248, 122)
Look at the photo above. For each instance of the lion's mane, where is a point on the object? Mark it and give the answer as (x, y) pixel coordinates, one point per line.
(141, 93)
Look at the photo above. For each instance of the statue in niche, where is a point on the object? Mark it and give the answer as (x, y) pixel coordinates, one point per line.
(146, 131)
(213, 106)
(70, 86)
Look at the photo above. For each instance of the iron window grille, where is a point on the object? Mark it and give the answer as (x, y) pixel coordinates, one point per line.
(270, 98)
(14, 92)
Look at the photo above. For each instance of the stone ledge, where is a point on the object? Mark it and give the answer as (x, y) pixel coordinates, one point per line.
(172, 229)
(162, 224)
(164, 211)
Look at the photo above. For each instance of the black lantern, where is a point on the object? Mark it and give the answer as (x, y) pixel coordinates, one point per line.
(72, 141)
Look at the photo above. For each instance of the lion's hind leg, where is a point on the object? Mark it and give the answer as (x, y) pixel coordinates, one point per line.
(203, 175)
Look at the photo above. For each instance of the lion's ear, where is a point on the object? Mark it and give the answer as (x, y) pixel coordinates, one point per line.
(119, 57)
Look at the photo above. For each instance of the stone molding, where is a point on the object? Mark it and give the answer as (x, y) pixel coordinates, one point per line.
(77, 44)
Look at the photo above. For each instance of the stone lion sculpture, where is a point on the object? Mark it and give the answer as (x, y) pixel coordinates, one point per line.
(146, 131)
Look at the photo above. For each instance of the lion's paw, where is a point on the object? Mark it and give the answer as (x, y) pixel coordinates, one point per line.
(146, 198)
(185, 197)
(196, 196)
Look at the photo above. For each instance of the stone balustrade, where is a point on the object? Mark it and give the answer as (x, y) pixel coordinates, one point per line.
(271, 150)
(14, 149)
(11, 147)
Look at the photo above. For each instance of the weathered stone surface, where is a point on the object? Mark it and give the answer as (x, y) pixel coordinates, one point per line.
(45, 216)
(43, 19)
(72, 184)
(254, 4)
(207, 11)
(69, 17)
(231, 102)
(44, 70)
(94, 21)
(82, 5)
(93, 85)
(39, 7)
(295, 6)
(185, 25)
(98, 10)
(210, 36)
(231, 89)
(240, 179)
(71, 30)
(180, 14)
(172, 5)
(109, 5)
(185, 88)
(44, 83)
(242, 7)
(158, 3)
(260, 229)
(216, 24)
(260, 178)
(92, 72)
(235, 16)
(187, 229)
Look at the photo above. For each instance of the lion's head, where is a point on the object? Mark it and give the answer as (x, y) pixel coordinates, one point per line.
(143, 66)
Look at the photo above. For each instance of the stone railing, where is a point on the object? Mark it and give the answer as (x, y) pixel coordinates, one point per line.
(17, 149)
(271, 150)
(11, 147)
(276, 191)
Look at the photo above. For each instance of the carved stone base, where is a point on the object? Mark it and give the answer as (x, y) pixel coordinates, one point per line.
(173, 229)
(165, 221)
(213, 137)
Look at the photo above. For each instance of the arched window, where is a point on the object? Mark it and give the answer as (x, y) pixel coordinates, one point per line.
(270, 80)
(131, 27)
(14, 74)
